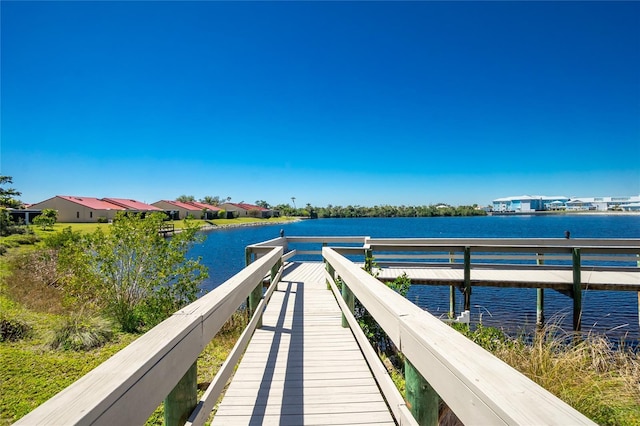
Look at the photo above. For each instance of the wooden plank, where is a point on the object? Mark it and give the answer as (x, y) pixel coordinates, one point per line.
(302, 367)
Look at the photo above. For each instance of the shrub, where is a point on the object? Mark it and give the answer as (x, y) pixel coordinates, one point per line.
(80, 333)
(222, 214)
(3, 249)
(60, 239)
(13, 329)
(137, 277)
(102, 219)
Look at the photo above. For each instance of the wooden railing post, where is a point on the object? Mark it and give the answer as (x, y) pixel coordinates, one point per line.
(540, 297)
(467, 278)
(254, 300)
(577, 290)
(452, 293)
(422, 400)
(182, 400)
(331, 272)
(247, 256)
(350, 299)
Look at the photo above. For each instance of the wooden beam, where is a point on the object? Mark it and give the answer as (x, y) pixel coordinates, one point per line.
(181, 401)
(577, 291)
(422, 400)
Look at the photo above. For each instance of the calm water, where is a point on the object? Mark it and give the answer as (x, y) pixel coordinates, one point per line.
(615, 313)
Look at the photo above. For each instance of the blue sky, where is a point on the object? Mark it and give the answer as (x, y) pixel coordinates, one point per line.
(340, 103)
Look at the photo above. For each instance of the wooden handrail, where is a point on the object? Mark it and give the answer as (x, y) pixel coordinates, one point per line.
(477, 386)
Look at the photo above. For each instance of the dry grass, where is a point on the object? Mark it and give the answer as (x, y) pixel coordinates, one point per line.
(595, 377)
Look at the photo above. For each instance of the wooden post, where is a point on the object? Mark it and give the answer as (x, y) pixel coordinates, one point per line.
(577, 290)
(331, 272)
(275, 269)
(247, 256)
(540, 297)
(452, 293)
(422, 400)
(182, 400)
(452, 302)
(348, 297)
(467, 278)
(254, 299)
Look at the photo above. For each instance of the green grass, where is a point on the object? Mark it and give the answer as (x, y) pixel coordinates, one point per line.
(32, 373)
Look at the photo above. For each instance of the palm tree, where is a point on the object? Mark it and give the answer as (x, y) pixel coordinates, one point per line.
(294, 202)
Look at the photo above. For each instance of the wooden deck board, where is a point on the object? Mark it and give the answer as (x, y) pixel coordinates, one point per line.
(302, 367)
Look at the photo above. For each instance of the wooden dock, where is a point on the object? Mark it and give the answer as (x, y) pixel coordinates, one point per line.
(297, 364)
(302, 367)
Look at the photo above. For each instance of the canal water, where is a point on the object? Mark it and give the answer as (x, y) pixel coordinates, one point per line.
(612, 313)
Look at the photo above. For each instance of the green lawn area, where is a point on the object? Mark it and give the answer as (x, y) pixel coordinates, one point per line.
(179, 224)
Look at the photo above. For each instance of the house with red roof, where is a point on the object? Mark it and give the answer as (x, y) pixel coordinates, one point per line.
(208, 211)
(248, 210)
(80, 209)
(133, 206)
(179, 210)
(91, 209)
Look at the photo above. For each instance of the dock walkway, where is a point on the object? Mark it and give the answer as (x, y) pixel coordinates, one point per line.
(302, 367)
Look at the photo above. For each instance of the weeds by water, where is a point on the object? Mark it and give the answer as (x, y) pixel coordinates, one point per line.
(596, 377)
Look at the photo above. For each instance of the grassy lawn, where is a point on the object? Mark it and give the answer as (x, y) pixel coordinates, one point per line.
(32, 373)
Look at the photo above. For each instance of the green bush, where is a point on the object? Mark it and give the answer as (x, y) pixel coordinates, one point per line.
(62, 239)
(102, 219)
(3, 249)
(82, 333)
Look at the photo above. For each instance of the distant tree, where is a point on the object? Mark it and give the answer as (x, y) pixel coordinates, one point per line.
(263, 204)
(8, 195)
(213, 201)
(186, 198)
(293, 200)
(47, 219)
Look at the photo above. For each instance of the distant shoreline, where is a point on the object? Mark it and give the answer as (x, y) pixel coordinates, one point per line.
(247, 224)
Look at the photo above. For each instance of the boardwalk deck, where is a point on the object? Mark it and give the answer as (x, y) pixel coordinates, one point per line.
(302, 367)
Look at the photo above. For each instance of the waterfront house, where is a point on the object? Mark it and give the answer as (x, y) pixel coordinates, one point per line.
(80, 209)
(178, 210)
(207, 211)
(248, 210)
(133, 206)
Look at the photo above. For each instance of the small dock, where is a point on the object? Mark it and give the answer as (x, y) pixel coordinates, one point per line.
(302, 367)
(167, 229)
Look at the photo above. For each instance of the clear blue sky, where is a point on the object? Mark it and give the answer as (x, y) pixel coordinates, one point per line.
(330, 102)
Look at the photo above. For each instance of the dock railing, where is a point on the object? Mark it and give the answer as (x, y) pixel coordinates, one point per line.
(443, 364)
(578, 257)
